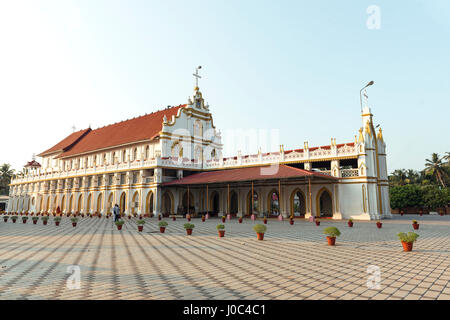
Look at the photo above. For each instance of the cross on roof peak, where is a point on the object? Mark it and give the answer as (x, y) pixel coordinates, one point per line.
(197, 76)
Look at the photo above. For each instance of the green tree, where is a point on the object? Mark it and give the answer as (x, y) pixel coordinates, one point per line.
(435, 197)
(406, 196)
(6, 174)
(435, 167)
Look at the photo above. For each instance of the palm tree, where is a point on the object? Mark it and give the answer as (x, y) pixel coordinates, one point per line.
(435, 168)
(6, 174)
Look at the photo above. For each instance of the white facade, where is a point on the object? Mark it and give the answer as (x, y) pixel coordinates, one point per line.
(132, 175)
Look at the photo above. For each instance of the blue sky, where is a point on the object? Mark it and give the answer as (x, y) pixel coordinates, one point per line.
(292, 66)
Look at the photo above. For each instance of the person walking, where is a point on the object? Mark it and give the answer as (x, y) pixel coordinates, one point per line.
(116, 212)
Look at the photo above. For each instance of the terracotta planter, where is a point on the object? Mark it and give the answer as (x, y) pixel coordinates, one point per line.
(260, 236)
(24, 221)
(119, 227)
(34, 221)
(82, 215)
(99, 216)
(140, 228)
(14, 220)
(44, 222)
(188, 219)
(203, 219)
(159, 218)
(350, 224)
(162, 229)
(415, 226)
(221, 233)
(174, 218)
(379, 225)
(5, 219)
(74, 224)
(317, 223)
(223, 220)
(407, 246)
(291, 222)
(265, 221)
(189, 232)
(129, 217)
(240, 220)
(57, 223)
(331, 241)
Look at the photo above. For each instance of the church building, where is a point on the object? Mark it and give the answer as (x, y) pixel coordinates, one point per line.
(170, 162)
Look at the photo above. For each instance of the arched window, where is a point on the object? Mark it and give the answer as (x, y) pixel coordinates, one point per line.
(135, 154)
(124, 154)
(147, 152)
(213, 154)
(274, 203)
(113, 160)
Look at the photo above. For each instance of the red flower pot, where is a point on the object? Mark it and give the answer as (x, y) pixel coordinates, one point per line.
(34, 221)
(350, 224)
(223, 219)
(415, 226)
(379, 225)
(265, 221)
(240, 220)
(188, 219)
(5, 219)
(260, 236)
(82, 215)
(159, 218)
(407, 246)
(129, 217)
(331, 241)
(162, 229)
(45, 222)
(119, 227)
(291, 222)
(57, 223)
(14, 220)
(221, 233)
(140, 228)
(24, 221)
(74, 224)
(203, 219)
(317, 223)
(189, 232)
(174, 218)
(99, 216)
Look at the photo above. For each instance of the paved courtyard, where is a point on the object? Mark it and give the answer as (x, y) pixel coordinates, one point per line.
(293, 262)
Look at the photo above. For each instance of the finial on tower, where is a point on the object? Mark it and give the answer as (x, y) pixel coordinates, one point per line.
(197, 76)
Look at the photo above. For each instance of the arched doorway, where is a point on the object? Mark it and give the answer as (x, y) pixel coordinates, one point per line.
(80, 203)
(324, 203)
(149, 203)
(99, 203)
(63, 203)
(55, 203)
(47, 206)
(123, 202)
(167, 204)
(110, 203)
(89, 203)
(234, 203)
(273, 203)
(298, 204)
(185, 203)
(214, 204)
(69, 209)
(255, 208)
(135, 203)
(41, 203)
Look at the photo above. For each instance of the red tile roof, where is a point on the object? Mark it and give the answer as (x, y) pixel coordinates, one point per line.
(66, 143)
(32, 163)
(142, 128)
(246, 174)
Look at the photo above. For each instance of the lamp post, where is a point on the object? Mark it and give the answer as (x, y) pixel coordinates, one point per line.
(360, 91)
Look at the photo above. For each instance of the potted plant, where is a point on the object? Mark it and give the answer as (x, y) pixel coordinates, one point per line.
(5, 218)
(99, 215)
(35, 219)
(260, 229)
(159, 217)
(74, 221)
(415, 225)
(407, 240)
(379, 224)
(174, 218)
(24, 219)
(162, 226)
(265, 220)
(402, 212)
(44, 220)
(221, 229)
(350, 223)
(332, 233)
(223, 219)
(119, 224)
(188, 217)
(421, 212)
(291, 221)
(240, 219)
(140, 224)
(57, 220)
(203, 218)
(189, 227)
(129, 217)
(317, 222)
(14, 218)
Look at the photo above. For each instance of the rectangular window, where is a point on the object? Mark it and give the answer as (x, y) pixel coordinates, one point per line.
(122, 178)
(135, 177)
(100, 181)
(110, 179)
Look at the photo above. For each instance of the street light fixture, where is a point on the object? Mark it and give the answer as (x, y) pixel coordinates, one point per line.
(360, 97)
